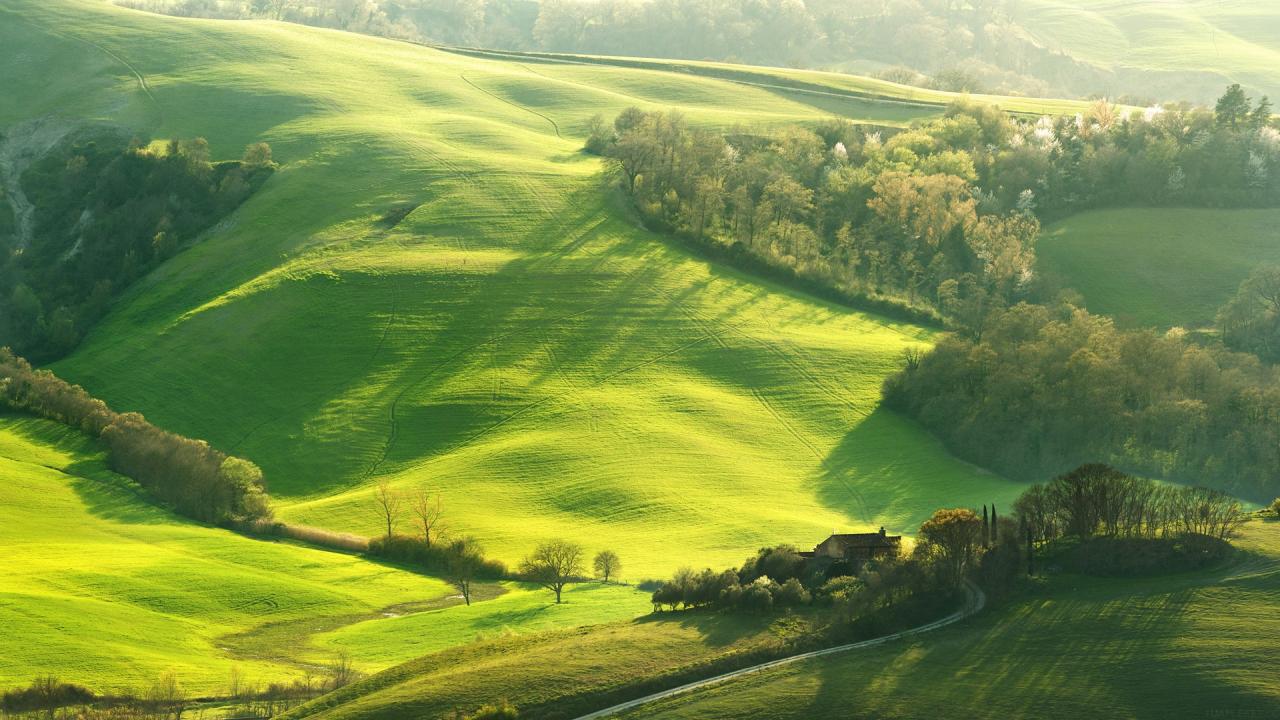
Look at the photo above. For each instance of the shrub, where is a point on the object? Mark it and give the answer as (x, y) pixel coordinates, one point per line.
(501, 710)
(791, 594)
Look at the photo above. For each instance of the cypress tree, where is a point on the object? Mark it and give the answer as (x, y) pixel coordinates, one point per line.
(995, 529)
(986, 529)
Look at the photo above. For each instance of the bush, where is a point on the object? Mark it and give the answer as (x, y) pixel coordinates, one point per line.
(501, 710)
(434, 558)
(1275, 507)
(791, 594)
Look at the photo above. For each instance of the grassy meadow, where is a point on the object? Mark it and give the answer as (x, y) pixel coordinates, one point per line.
(1225, 40)
(1188, 645)
(105, 588)
(1160, 267)
(515, 341)
(437, 288)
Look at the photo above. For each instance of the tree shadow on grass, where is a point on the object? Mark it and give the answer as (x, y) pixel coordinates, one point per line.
(717, 629)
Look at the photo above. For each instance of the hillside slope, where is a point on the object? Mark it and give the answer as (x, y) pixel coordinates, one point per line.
(104, 589)
(515, 341)
(1187, 645)
(1160, 267)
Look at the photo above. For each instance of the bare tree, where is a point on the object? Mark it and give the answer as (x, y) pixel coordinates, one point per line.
(553, 565)
(388, 502)
(428, 510)
(607, 564)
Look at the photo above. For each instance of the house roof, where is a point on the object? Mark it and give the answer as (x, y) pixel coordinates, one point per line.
(866, 539)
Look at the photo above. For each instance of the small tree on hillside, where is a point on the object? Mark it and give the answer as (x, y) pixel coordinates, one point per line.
(464, 560)
(607, 564)
(953, 535)
(428, 511)
(388, 503)
(553, 565)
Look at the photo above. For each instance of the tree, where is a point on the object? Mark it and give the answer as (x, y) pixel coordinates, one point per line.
(1232, 109)
(953, 535)
(463, 562)
(428, 510)
(553, 565)
(388, 503)
(607, 564)
(257, 155)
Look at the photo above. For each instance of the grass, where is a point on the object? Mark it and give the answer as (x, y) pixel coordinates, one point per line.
(1196, 45)
(516, 341)
(559, 674)
(104, 589)
(1190, 645)
(1160, 267)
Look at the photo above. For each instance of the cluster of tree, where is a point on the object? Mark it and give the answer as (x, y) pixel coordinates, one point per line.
(461, 560)
(1034, 391)
(106, 213)
(947, 45)
(555, 564)
(188, 475)
(944, 214)
(951, 544)
(840, 206)
(772, 578)
(1097, 499)
(1250, 321)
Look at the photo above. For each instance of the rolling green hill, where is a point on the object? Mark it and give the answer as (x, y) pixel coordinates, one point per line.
(1188, 645)
(1197, 45)
(516, 341)
(102, 587)
(437, 288)
(1160, 267)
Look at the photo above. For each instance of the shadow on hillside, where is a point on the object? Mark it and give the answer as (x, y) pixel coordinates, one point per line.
(887, 470)
(1126, 657)
(717, 629)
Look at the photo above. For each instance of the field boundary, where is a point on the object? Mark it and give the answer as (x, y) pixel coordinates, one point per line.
(975, 601)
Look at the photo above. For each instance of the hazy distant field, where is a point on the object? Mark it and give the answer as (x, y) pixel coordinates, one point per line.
(1236, 40)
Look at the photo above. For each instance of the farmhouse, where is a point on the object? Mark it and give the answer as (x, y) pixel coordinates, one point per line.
(857, 546)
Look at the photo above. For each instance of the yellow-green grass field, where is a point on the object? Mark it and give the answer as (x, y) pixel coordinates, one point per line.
(517, 342)
(1236, 40)
(1189, 645)
(107, 590)
(1160, 267)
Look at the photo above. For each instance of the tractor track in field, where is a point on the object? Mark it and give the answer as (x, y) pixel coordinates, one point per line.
(512, 103)
(975, 601)
(858, 498)
(143, 85)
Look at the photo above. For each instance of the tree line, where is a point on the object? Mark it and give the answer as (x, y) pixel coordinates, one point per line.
(1035, 390)
(189, 476)
(107, 212)
(1098, 500)
(943, 215)
(553, 564)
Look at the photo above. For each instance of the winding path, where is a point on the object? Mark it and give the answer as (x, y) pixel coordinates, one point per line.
(975, 600)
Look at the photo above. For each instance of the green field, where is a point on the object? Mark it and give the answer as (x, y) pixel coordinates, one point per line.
(103, 587)
(1191, 645)
(1160, 267)
(516, 342)
(1220, 41)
